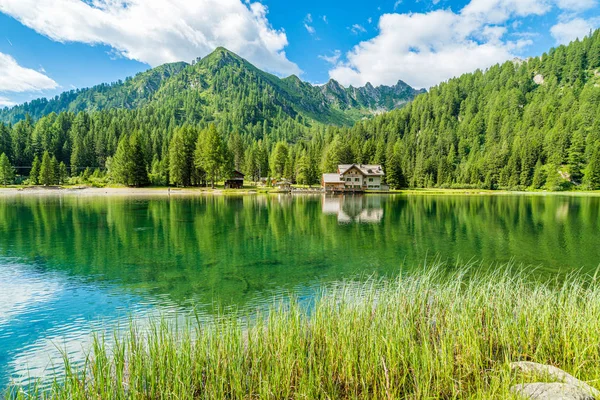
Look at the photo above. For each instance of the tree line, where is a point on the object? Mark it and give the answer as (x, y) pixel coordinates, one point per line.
(519, 125)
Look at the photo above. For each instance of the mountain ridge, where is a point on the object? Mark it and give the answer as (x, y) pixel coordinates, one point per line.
(329, 103)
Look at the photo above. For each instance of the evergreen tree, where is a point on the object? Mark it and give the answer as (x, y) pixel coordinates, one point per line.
(279, 159)
(394, 175)
(128, 166)
(63, 175)
(539, 176)
(303, 173)
(34, 175)
(46, 176)
(576, 157)
(592, 173)
(139, 171)
(121, 167)
(210, 154)
(7, 172)
(181, 157)
(55, 170)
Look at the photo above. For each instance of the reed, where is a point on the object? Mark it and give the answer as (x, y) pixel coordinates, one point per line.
(427, 335)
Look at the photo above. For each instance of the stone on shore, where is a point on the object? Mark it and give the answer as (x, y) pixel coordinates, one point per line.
(552, 391)
(566, 387)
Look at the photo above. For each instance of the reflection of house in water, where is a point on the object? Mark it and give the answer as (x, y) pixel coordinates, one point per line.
(361, 209)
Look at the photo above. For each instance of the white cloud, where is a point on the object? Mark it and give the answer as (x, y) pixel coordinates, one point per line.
(325, 19)
(357, 28)
(333, 59)
(307, 24)
(499, 11)
(566, 32)
(5, 102)
(15, 78)
(396, 4)
(425, 49)
(160, 31)
(576, 5)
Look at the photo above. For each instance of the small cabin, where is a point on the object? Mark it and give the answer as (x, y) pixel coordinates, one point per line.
(284, 185)
(236, 181)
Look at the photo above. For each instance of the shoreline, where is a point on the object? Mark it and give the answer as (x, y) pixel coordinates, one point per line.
(195, 191)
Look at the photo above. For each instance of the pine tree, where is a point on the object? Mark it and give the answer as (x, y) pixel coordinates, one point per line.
(34, 175)
(63, 175)
(279, 159)
(55, 171)
(181, 161)
(128, 166)
(303, 172)
(576, 157)
(210, 154)
(7, 172)
(395, 176)
(120, 165)
(139, 172)
(539, 176)
(46, 170)
(591, 178)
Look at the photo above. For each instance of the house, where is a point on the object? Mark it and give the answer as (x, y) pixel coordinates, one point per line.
(332, 182)
(236, 181)
(355, 177)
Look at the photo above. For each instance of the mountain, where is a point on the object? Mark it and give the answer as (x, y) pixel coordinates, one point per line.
(220, 81)
(530, 124)
(524, 124)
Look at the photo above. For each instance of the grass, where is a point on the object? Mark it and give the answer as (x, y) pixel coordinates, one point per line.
(429, 335)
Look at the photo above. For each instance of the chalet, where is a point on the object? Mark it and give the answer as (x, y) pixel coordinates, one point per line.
(355, 177)
(236, 181)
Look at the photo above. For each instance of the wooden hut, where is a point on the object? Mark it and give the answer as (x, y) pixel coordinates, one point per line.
(236, 181)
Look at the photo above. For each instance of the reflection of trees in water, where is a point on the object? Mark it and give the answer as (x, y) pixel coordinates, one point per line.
(234, 248)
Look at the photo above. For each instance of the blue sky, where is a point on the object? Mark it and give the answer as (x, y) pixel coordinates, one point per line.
(49, 46)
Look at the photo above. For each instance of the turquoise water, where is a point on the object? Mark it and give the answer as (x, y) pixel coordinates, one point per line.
(71, 264)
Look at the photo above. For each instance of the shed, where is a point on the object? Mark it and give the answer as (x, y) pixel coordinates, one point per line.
(236, 181)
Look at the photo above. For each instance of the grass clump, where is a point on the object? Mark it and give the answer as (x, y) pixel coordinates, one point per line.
(430, 335)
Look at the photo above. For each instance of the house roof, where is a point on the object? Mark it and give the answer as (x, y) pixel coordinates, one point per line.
(365, 169)
(332, 178)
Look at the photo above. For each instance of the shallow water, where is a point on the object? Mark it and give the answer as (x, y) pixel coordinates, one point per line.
(70, 265)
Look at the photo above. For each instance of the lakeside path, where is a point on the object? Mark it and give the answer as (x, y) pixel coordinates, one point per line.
(165, 191)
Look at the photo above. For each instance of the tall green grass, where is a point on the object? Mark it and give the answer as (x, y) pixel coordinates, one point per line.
(427, 335)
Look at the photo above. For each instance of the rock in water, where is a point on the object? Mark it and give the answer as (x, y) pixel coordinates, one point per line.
(552, 391)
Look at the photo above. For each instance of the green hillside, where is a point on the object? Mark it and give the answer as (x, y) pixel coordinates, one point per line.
(520, 125)
(223, 84)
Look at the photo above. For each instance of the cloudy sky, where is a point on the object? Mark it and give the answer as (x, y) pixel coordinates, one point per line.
(49, 46)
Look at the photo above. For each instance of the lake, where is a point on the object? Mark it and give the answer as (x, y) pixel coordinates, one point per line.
(72, 264)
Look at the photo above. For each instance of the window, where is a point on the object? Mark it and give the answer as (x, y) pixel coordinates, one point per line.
(370, 179)
(356, 179)
(348, 179)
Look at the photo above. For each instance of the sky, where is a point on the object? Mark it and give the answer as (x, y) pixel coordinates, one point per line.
(51, 46)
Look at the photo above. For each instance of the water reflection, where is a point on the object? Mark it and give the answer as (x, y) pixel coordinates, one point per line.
(70, 264)
(354, 208)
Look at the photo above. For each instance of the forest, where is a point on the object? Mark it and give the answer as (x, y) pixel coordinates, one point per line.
(521, 125)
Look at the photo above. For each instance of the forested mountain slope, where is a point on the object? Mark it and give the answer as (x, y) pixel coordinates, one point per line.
(519, 125)
(225, 83)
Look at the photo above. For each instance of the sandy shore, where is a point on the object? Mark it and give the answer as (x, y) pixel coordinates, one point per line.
(121, 191)
(165, 192)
